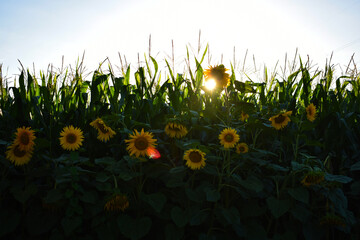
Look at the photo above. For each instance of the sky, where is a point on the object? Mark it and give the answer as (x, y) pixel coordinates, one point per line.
(38, 32)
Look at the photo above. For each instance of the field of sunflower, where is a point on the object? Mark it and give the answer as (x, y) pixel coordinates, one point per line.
(171, 159)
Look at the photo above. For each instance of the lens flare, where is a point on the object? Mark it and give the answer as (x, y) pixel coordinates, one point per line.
(210, 84)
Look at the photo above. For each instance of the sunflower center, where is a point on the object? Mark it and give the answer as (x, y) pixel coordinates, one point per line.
(280, 119)
(217, 74)
(24, 139)
(229, 137)
(241, 149)
(175, 129)
(195, 157)
(141, 143)
(19, 153)
(102, 128)
(310, 111)
(71, 138)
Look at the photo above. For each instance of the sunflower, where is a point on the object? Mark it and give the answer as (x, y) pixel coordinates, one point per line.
(217, 73)
(332, 220)
(117, 202)
(24, 138)
(281, 120)
(104, 132)
(313, 178)
(195, 159)
(242, 148)
(311, 112)
(17, 156)
(71, 138)
(243, 116)
(175, 130)
(228, 138)
(140, 142)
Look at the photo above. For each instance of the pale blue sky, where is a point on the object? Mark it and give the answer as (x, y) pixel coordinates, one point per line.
(41, 32)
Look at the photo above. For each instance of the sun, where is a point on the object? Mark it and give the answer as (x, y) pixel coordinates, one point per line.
(139, 143)
(104, 132)
(25, 138)
(311, 112)
(242, 148)
(17, 156)
(281, 120)
(71, 138)
(175, 130)
(195, 159)
(216, 77)
(228, 138)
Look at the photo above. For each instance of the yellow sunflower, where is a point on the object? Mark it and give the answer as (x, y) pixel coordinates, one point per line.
(24, 138)
(175, 130)
(71, 138)
(228, 138)
(311, 112)
(118, 202)
(140, 142)
(244, 116)
(104, 131)
(219, 75)
(313, 178)
(242, 148)
(17, 156)
(195, 159)
(281, 120)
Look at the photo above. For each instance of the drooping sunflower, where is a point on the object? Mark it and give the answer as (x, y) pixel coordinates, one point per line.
(331, 219)
(139, 143)
(25, 138)
(242, 148)
(243, 116)
(313, 178)
(281, 120)
(311, 112)
(118, 202)
(104, 131)
(71, 138)
(228, 138)
(218, 74)
(175, 130)
(17, 156)
(195, 159)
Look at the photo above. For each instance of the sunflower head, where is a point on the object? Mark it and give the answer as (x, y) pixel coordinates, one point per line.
(311, 112)
(331, 219)
(118, 202)
(175, 130)
(17, 156)
(195, 159)
(242, 148)
(243, 116)
(228, 138)
(217, 74)
(281, 120)
(25, 138)
(139, 143)
(104, 131)
(313, 178)
(71, 138)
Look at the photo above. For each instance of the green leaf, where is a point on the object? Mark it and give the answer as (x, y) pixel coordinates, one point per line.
(134, 228)
(53, 195)
(179, 216)
(102, 177)
(301, 194)
(9, 219)
(251, 183)
(278, 207)
(301, 213)
(199, 217)
(105, 161)
(337, 178)
(155, 200)
(89, 197)
(212, 195)
(70, 224)
(355, 167)
(172, 232)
